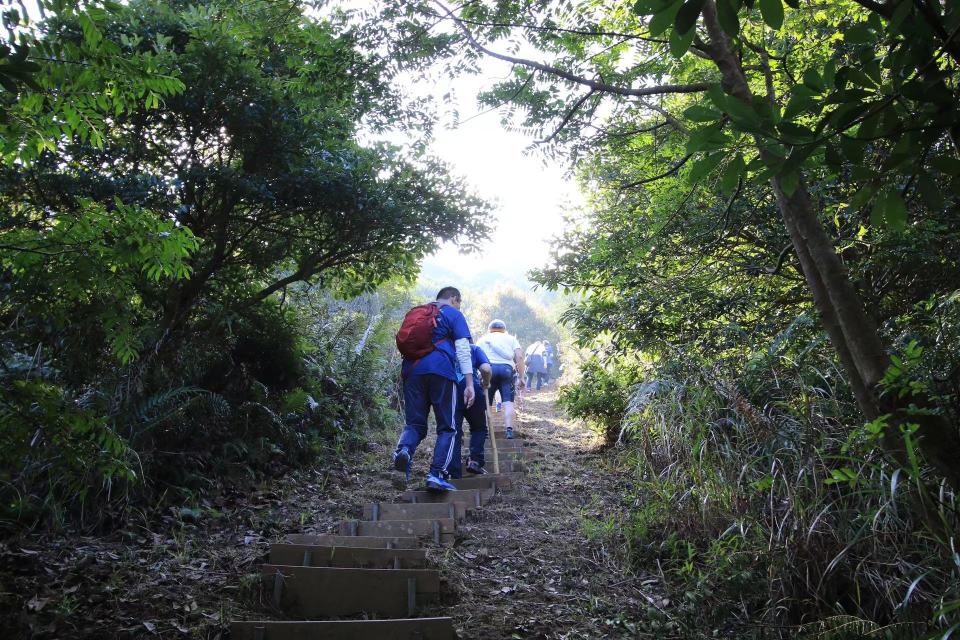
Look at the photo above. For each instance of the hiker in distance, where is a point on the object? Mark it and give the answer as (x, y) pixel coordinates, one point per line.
(536, 363)
(434, 340)
(505, 354)
(549, 358)
(476, 416)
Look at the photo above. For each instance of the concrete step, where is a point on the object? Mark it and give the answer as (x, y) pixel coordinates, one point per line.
(489, 481)
(407, 511)
(398, 629)
(439, 530)
(312, 555)
(372, 542)
(310, 592)
(469, 497)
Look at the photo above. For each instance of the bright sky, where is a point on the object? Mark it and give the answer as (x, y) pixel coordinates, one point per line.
(530, 195)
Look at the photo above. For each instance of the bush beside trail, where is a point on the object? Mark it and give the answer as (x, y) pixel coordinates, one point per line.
(185, 204)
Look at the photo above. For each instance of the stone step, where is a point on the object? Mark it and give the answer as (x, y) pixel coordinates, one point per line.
(311, 555)
(407, 511)
(398, 629)
(439, 530)
(469, 497)
(489, 481)
(310, 592)
(370, 542)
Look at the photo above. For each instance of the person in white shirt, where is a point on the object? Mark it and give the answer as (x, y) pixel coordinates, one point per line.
(506, 358)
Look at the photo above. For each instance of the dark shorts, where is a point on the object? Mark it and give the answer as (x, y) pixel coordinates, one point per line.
(502, 381)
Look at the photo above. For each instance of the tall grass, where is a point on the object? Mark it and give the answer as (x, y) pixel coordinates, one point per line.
(769, 516)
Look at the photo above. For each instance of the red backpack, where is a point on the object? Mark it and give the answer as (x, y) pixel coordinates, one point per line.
(415, 338)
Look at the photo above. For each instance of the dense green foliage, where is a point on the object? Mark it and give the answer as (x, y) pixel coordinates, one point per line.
(601, 395)
(773, 229)
(183, 189)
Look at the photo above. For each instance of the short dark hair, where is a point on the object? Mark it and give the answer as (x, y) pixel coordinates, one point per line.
(448, 292)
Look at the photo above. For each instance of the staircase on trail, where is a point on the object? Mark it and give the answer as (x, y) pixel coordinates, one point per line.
(371, 578)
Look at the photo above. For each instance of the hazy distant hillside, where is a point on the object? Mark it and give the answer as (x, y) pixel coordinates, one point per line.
(433, 276)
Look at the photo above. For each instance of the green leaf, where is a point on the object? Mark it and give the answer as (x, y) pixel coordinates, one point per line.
(680, 42)
(731, 175)
(947, 164)
(789, 182)
(830, 73)
(687, 16)
(889, 209)
(663, 19)
(772, 12)
(930, 192)
(705, 165)
(813, 80)
(798, 104)
(727, 17)
(858, 34)
(862, 196)
(700, 113)
(900, 14)
(832, 157)
(853, 150)
(742, 113)
(707, 138)
(795, 132)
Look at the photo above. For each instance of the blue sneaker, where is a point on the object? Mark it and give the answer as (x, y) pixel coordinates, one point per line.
(401, 459)
(436, 483)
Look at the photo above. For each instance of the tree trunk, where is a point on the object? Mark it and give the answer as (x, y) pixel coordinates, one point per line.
(852, 332)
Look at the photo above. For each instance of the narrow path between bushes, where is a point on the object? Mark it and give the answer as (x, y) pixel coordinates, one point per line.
(545, 561)
(539, 563)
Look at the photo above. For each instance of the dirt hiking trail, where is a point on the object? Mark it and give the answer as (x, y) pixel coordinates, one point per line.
(535, 562)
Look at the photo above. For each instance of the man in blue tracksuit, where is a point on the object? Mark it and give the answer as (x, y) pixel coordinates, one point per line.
(431, 381)
(476, 416)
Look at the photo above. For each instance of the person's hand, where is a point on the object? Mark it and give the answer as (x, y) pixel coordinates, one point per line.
(523, 383)
(469, 395)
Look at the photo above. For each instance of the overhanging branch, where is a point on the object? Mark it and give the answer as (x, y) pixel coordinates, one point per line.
(566, 118)
(594, 85)
(669, 172)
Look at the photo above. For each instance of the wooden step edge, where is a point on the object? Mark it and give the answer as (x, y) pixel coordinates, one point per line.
(369, 542)
(381, 511)
(394, 629)
(351, 557)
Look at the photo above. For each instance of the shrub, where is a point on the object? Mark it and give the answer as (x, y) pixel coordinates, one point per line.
(601, 395)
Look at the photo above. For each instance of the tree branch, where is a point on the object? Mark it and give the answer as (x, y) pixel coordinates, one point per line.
(877, 7)
(566, 118)
(566, 75)
(669, 172)
(502, 102)
(781, 260)
(676, 124)
(576, 32)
